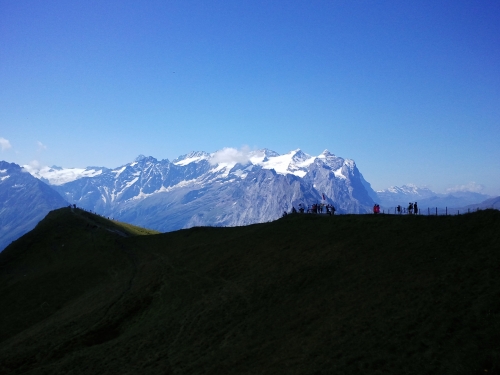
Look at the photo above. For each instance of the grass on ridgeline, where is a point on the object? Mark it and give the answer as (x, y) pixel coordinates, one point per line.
(307, 294)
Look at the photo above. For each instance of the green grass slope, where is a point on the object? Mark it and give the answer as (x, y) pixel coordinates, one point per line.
(306, 294)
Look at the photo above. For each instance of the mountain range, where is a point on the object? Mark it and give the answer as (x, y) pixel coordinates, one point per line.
(220, 189)
(225, 188)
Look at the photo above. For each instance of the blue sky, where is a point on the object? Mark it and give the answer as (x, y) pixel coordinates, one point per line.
(408, 89)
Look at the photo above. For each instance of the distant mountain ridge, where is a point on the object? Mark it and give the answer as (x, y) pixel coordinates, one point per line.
(228, 187)
(425, 197)
(488, 203)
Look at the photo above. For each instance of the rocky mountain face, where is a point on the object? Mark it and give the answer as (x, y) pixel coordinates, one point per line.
(223, 188)
(24, 201)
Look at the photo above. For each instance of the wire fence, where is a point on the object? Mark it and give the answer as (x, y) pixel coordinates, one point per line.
(395, 210)
(433, 211)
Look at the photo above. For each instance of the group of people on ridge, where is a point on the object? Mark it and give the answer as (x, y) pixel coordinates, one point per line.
(329, 209)
(316, 208)
(412, 209)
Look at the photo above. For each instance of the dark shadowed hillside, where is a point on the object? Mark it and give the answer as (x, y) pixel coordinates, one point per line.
(306, 294)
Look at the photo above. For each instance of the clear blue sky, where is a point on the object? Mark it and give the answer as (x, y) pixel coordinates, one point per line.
(408, 89)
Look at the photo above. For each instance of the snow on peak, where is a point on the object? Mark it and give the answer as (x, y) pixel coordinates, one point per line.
(59, 176)
(326, 154)
(192, 157)
(259, 156)
(407, 189)
(143, 159)
(350, 163)
(119, 171)
(299, 156)
(295, 162)
(268, 153)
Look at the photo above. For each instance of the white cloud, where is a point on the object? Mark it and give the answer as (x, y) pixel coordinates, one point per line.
(33, 167)
(4, 144)
(35, 164)
(41, 146)
(231, 155)
(471, 187)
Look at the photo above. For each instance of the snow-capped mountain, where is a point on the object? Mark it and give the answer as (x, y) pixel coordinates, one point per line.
(403, 194)
(228, 187)
(395, 195)
(57, 175)
(24, 201)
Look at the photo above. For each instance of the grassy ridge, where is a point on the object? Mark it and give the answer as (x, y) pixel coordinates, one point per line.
(303, 295)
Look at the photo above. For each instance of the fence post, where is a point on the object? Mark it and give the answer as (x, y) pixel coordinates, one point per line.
(436, 211)
(446, 211)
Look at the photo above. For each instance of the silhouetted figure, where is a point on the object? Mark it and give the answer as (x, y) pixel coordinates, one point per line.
(415, 208)
(332, 210)
(294, 211)
(376, 209)
(398, 208)
(410, 208)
